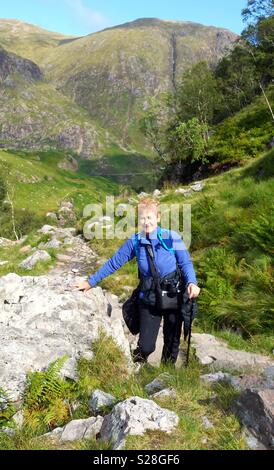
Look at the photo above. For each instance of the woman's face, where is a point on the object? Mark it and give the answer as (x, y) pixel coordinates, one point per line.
(148, 219)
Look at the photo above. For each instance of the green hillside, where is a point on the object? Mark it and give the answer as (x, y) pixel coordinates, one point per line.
(245, 134)
(40, 183)
(28, 40)
(87, 94)
(112, 73)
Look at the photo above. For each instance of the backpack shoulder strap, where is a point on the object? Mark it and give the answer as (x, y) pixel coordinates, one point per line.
(136, 248)
(160, 234)
(136, 244)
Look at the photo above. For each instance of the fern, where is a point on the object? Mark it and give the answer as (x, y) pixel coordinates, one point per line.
(7, 409)
(47, 396)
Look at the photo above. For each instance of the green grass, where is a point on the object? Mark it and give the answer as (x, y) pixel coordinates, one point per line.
(55, 184)
(244, 135)
(107, 371)
(134, 170)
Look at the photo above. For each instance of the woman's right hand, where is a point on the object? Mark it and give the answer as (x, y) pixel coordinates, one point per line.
(82, 285)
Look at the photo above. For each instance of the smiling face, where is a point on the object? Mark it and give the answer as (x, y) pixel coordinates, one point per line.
(148, 217)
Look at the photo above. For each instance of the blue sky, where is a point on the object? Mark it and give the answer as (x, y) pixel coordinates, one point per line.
(80, 17)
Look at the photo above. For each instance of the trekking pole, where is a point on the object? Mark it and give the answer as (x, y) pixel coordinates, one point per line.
(189, 334)
(188, 346)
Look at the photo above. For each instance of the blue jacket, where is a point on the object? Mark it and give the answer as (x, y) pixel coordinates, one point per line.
(164, 259)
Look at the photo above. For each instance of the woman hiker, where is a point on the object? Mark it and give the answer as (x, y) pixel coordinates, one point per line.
(165, 258)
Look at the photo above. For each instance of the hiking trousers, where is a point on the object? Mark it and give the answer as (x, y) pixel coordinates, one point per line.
(150, 320)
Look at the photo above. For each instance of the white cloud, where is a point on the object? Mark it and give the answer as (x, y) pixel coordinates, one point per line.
(88, 17)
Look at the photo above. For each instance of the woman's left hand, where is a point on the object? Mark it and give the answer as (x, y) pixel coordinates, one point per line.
(193, 290)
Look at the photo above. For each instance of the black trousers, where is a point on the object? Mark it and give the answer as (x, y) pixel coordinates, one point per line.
(150, 320)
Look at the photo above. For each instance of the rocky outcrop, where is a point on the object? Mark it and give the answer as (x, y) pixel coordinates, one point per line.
(69, 163)
(12, 65)
(255, 403)
(159, 383)
(34, 115)
(99, 400)
(215, 352)
(134, 416)
(32, 260)
(255, 408)
(44, 318)
(76, 430)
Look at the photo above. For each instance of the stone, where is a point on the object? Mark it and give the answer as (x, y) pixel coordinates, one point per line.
(99, 400)
(81, 429)
(5, 242)
(46, 229)
(255, 408)
(165, 393)
(68, 163)
(45, 311)
(269, 372)
(52, 215)
(68, 241)
(185, 192)
(197, 186)
(4, 403)
(158, 384)
(53, 243)
(8, 431)
(214, 377)
(67, 232)
(252, 442)
(156, 193)
(253, 381)
(76, 430)
(215, 352)
(134, 416)
(206, 423)
(2, 263)
(18, 419)
(32, 260)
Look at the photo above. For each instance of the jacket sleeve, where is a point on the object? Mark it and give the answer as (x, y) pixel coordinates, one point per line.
(125, 253)
(183, 259)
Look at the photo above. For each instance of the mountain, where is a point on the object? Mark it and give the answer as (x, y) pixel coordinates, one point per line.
(34, 115)
(113, 73)
(90, 92)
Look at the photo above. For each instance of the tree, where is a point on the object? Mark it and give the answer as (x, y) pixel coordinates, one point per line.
(187, 142)
(152, 124)
(257, 10)
(237, 79)
(197, 95)
(259, 35)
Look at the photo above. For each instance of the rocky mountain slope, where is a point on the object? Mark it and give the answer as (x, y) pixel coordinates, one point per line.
(34, 115)
(92, 90)
(113, 73)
